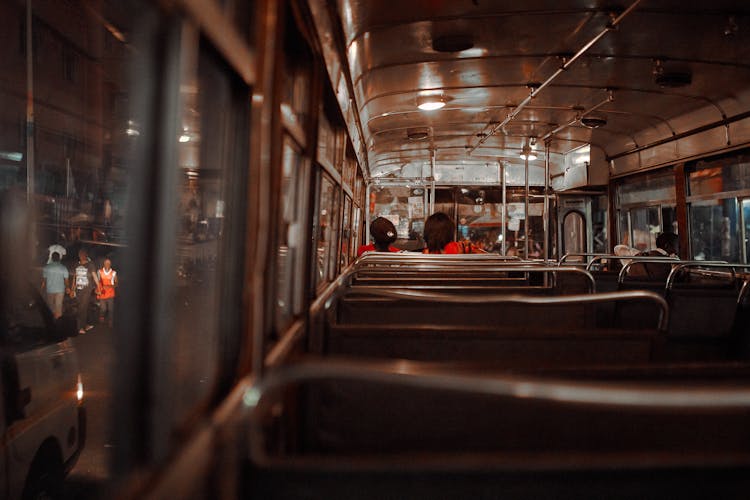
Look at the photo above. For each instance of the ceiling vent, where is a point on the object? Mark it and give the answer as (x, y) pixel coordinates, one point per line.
(417, 134)
(673, 79)
(452, 43)
(593, 121)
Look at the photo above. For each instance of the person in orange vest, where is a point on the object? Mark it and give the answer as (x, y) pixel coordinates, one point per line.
(106, 292)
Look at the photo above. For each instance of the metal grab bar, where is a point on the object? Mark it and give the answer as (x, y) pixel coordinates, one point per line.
(628, 257)
(454, 298)
(581, 254)
(702, 263)
(427, 376)
(540, 269)
(659, 260)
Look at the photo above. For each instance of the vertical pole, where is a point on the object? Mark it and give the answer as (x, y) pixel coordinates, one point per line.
(505, 208)
(526, 210)
(366, 227)
(546, 202)
(432, 177)
(29, 105)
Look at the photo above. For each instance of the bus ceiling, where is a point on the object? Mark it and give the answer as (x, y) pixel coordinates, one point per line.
(462, 86)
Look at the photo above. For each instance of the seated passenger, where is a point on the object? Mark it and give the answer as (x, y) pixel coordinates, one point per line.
(667, 245)
(383, 233)
(438, 234)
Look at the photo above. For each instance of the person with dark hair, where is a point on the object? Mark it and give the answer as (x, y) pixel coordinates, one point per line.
(438, 234)
(667, 245)
(383, 233)
(85, 281)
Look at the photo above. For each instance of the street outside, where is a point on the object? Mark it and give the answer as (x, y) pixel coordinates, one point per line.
(89, 477)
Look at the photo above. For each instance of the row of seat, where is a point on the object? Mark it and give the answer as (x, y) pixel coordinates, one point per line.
(516, 389)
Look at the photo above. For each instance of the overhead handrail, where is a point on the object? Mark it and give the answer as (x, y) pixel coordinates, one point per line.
(442, 297)
(562, 69)
(519, 387)
(702, 263)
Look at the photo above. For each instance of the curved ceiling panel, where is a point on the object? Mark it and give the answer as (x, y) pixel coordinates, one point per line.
(664, 61)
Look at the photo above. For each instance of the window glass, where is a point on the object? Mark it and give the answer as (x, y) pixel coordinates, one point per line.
(66, 154)
(289, 255)
(645, 227)
(714, 230)
(746, 223)
(295, 95)
(359, 189)
(716, 176)
(356, 231)
(345, 233)
(599, 211)
(326, 141)
(327, 241)
(404, 207)
(623, 227)
(480, 213)
(210, 164)
(648, 188)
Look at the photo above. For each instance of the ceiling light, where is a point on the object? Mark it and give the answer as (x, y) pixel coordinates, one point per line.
(184, 138)
(527, 153)
(430, 102)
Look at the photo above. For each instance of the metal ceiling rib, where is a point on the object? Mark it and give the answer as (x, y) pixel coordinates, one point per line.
(392, 61)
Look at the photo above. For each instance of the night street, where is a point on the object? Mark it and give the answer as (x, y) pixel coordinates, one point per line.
(87, 479)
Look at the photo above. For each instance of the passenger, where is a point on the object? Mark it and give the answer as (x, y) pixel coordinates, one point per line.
(438, 234)
(667, 245)
(85, 282)
(107, 284)
(383, 233)
(55, 283)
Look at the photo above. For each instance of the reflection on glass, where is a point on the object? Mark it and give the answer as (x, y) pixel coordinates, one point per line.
(65, 137)
(746, 233)
(714, 230)
(355, 237)
(599, 211)
(653, 187)
(289, 251)
(717, 176)
(345, 233)
(328, 210)
(574, 233)
(645, 227)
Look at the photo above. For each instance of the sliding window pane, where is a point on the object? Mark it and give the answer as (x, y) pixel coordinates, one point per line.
(714, 230)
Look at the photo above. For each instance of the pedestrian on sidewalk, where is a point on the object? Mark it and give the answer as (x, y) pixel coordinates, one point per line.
(85, 282)
(107, 284)
(55, 284)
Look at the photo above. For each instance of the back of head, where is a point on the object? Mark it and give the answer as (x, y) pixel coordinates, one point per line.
(383, 233)
(438, 231)
(669, 242)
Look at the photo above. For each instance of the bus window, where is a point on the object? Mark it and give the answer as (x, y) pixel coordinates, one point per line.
(328, 230)
(714, 230)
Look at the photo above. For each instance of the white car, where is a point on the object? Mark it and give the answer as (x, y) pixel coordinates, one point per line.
(44, 421)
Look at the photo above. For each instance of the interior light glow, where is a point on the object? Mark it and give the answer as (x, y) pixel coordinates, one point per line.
(527, 152)
(184, 138)
(11, 155)
(79, 389)
(430, 102)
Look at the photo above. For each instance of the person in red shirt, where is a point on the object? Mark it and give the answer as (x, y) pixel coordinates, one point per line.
(438, 234)
(383, 233)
